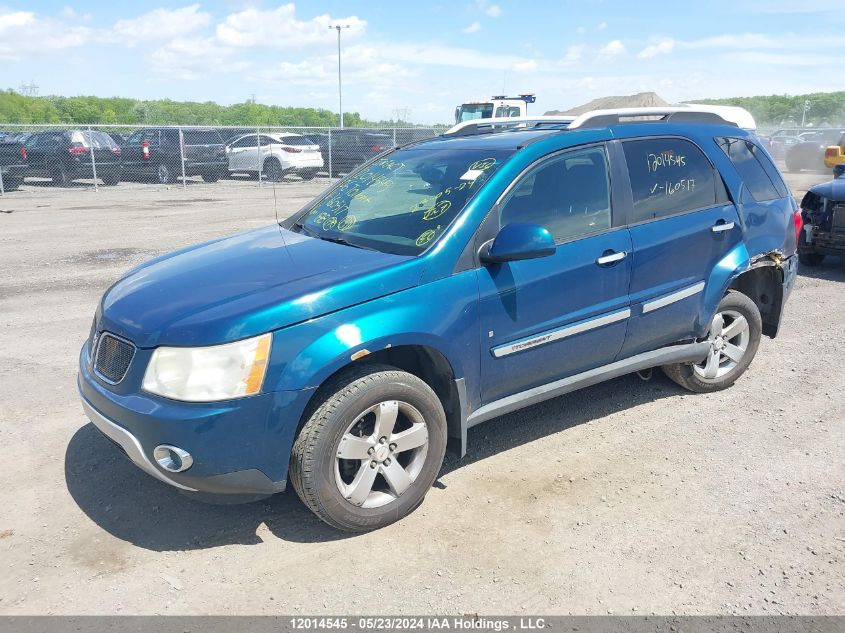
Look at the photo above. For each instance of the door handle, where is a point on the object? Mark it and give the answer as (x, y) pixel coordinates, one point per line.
(611, 258)
(721, 227)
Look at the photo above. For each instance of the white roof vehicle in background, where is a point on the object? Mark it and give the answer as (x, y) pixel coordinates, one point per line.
(274, 155)
(498, 106)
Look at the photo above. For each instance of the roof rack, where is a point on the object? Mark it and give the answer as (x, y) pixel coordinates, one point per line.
(692, 113)
(723, 115)
(503, 124)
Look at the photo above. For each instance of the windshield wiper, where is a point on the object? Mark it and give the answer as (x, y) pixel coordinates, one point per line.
(345, 242)
(336, 239)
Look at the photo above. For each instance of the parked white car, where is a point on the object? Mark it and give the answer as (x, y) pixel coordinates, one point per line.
(276, 155)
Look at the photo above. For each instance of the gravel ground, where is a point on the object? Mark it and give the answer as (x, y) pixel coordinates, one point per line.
(627, 497)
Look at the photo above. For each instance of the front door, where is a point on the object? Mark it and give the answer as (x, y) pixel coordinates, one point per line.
(544, 319)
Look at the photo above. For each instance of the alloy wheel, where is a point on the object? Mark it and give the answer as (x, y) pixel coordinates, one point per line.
(381, 454)
(729, 337)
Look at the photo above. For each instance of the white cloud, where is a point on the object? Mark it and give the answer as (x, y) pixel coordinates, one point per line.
(527, 66)
(475, 27)
(601, 26)
(612, 50)
(280, 28)
(158, 24)
(188, 58)
(488, 9)
(24, 34)
(663, 46)
(581, 30)
(573, 55)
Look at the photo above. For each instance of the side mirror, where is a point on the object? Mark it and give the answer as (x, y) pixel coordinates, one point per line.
(518, 241)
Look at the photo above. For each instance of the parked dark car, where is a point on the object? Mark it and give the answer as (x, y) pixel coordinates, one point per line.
(13, 164)
(65, 155)
(350, 148)
(809, 152)
(823, 212)
(156, 152)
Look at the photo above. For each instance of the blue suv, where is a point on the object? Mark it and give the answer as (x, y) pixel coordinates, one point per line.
(440, 285)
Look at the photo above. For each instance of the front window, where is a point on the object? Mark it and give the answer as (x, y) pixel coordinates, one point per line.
(471, 111)
(402, 202)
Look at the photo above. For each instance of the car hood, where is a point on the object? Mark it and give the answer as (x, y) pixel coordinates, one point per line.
(244, 285)
(832, 190)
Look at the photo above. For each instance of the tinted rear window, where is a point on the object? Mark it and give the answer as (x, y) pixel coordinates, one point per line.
(201, 137)
(748, 160)
(296, 140)
(668, 176)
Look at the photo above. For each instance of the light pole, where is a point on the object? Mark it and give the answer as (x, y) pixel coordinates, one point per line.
(338, 28)
(803, 115)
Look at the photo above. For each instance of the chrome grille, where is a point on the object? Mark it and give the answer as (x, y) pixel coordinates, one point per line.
(113, 357)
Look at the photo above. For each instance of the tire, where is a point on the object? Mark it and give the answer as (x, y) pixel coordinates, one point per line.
(165, 174)
(307, 175)
(273, 170)
(111, 179)
(211, 176)
(348, 415)
(719, 370)
(58, 172)
(12, 184)
(810, 259)
(791, 165)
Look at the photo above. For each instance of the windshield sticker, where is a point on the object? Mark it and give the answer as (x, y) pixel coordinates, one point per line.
(330, 223)
(437, 210)
(472, 174)
(425, 237)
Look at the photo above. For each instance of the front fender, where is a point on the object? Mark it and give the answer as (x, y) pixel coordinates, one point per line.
(442, 315)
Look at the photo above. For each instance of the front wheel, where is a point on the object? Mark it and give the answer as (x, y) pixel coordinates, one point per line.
(12, 184)
(59, 175)
(111, 179)
(211, 176)
(734, 337)
(371, 450)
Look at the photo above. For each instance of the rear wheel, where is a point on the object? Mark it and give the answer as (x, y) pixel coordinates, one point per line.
(166, 174)
(58, 172)
(11, 184)
(307, 175)
(273, 169)
(810, 259)
(792, 164)
(111, 179)
(211, 176)
(734, 337)
(371, 450)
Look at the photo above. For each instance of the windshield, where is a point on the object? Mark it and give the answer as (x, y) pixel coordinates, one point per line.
(470, 111)
(402, 202)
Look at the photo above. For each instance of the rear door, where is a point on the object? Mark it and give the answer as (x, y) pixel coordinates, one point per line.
(544, 319)
(243, 154)
(202, 146)
(682, 225)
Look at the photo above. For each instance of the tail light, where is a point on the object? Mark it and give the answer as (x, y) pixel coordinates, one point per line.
(291, 150)
(145, 150)
(799, 224)
(831, 152)
(115, 150)
(23, 153)
(378, 148)
(77, 148)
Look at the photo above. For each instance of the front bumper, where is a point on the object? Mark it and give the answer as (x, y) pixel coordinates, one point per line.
(239, 447)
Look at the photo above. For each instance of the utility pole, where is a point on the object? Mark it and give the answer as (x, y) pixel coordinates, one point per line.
(338, 28)
(804, 113)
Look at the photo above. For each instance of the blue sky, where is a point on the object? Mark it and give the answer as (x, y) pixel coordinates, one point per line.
(421, 58)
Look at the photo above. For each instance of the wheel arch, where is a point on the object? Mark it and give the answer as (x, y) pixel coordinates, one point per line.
(427, 363)
(762, 282)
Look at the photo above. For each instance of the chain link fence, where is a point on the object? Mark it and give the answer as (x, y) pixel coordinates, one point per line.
(36, 158)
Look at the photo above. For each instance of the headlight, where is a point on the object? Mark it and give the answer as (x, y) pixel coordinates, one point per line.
(206, 374)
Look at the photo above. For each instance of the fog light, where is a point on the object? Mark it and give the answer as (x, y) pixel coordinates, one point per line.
(172, 458)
